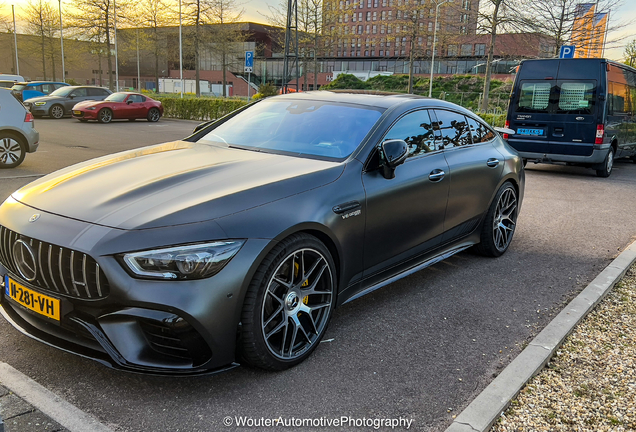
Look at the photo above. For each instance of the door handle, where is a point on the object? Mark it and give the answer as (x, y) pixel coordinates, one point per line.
(492, 162)
(436, 175)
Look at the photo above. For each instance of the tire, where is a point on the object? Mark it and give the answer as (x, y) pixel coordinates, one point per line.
(288, 304)
(104, 115)
(153, 115)
(56, 112)
(500, 222)
(608, 164)
(12, 150)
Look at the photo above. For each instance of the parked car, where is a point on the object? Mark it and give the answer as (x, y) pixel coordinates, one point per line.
(12, 77)
(246, 235)
(27, 90)
(574, 111)
(120, 105)
(17, 131)
(61, 101)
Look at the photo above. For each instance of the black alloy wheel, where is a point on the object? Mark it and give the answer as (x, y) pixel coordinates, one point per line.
(104, 115)
(500, 223)
(288, 304)
(153, 115)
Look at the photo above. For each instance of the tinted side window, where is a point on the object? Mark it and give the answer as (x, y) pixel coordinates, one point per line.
(136, 98)
(80, 92)
(479, 131)
(35, 88)
(47, 88)
(142, 98)
(416, 129)
(452, 129)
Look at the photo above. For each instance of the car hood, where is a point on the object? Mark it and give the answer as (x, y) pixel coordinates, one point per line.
(88, 103)
(46, 99)
(172, 184)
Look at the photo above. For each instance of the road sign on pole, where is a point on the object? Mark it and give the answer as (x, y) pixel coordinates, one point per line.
(249, 61)
(567, 51)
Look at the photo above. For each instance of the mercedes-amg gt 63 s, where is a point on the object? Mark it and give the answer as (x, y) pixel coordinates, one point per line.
(237, 243)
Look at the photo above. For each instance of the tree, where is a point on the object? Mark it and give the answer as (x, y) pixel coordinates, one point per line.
(43, 21)
(225, 34)
(556, 19)
(630, 53)
(496, 14)
(93, 20)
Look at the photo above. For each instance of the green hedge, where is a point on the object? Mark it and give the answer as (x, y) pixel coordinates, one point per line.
(495, 120)
(201, 109)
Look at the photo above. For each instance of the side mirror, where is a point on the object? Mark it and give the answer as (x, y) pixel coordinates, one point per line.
(203, 125)
(128, 102)
(71, 96)
(392, 153)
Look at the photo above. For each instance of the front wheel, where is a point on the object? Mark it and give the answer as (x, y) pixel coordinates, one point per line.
(608, 164)
(12, 150)
(154, 115)
(500, 223)
(288, 304)
(56, 112)
(104, 115)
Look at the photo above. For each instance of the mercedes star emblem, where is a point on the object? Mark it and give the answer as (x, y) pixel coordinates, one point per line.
(24, 260)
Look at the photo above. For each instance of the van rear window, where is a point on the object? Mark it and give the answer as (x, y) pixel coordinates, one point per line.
(534, 97)
(576, 96)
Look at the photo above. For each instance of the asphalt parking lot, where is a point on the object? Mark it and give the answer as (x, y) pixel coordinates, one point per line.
(418, 349)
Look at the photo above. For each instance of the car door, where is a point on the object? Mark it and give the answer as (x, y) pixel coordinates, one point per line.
(405, 215)
(474, 166)
(136, 107)
(76, 96)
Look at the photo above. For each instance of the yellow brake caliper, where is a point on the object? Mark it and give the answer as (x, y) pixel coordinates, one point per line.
(305, 284)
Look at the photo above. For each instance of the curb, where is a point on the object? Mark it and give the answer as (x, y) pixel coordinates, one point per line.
(486, 408)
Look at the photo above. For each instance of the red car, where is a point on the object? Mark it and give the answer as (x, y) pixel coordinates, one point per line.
(121, 105)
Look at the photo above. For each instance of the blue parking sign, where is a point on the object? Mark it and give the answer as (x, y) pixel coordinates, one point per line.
(567, 51)
(249, 61)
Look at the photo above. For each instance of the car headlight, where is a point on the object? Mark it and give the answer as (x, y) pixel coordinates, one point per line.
(39, 103)
(91, 108)
(197, 261)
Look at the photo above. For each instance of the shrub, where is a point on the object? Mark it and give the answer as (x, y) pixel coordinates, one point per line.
(201, 109)
(347, 82)
(495, 120)
(265, 90)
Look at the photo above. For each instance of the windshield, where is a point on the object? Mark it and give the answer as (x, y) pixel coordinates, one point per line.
(116, 97)
(63, 91)
(298, 127)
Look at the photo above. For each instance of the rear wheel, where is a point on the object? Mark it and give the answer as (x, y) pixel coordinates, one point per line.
(288, 304)
(608, 164)
(104, 115)
(12, 150)
(500, 223)
(56, 112)
(153, 115)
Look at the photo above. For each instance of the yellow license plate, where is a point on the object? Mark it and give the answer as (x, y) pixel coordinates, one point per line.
(32, 300)
(77, 112)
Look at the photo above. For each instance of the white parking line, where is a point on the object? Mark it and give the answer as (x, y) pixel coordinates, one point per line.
(69, 416)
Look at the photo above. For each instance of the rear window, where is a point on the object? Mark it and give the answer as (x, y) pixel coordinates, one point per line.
(557, 97)
(535, 96)
(576, 97)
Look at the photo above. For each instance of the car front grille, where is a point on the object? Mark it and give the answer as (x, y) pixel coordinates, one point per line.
(56, 269)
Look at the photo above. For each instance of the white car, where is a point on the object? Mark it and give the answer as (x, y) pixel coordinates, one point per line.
(17, 131)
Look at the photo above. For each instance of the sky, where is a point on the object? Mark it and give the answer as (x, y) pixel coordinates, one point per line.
(257, 11)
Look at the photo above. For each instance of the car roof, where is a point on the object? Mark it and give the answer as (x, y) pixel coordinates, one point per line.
(369, 98)
(40, 82)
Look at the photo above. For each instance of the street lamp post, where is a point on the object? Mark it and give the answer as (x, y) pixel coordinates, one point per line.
(438, 4)
(116, 62)
(180, 52)
(62, 43)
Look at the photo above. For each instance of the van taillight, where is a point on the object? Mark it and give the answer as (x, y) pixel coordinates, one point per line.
(28, 118)
(600, 132)
(507, 126)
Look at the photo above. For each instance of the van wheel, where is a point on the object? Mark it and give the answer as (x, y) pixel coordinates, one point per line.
(608, 164)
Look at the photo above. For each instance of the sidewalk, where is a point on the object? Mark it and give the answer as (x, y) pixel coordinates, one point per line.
(20, 416)
(590, 384)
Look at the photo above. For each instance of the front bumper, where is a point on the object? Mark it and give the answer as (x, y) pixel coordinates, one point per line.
(85, 114)
(147, 326)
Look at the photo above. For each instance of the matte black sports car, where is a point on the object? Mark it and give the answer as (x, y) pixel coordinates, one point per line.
(239, 241)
